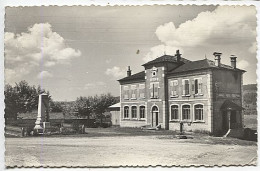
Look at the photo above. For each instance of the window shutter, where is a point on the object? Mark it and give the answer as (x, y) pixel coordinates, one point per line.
(156, 90)
(183, 87)
(151, 90)
(200, 86)
(193, 87)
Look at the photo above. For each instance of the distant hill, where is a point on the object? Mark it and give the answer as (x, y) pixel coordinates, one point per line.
(250, 99)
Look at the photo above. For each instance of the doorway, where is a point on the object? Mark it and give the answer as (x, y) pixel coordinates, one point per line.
(155, 116)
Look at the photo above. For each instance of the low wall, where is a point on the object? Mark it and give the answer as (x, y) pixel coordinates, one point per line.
(132, 123)
(54, 122)
(198, 126)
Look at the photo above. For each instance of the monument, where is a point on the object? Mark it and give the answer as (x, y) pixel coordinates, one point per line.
(42, 120)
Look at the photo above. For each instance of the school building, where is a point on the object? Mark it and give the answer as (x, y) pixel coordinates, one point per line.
(205, 95)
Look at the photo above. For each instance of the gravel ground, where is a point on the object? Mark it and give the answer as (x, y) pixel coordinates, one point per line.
(124, 151)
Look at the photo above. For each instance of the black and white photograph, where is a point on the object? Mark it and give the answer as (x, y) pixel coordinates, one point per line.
(136, 86)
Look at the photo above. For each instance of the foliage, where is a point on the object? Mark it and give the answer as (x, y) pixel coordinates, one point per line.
(21, 98)
(96, 105)
(56, 106)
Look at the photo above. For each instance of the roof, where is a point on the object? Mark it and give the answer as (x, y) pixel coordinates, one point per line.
(229, 105)
(137, 76)
(166, 58)
(117, 105)
(201, 64)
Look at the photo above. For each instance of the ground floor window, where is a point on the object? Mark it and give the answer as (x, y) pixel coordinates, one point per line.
(174, 112)
(186, 112)
(198, 109)
(126, 112)
(134, 112)
(142, 112)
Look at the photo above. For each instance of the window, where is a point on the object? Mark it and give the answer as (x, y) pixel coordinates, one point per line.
(197, 86)
(154, 90)
(126, 92)
(142, 112)
(133, 92)
(134, 112)
(141, 91)
(198, 109)
(186, 112)
(126, 112)
(174, 112)
(174, 88)
(185, 87)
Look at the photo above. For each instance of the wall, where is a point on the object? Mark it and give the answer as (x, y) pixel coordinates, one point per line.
(115, 117)
(204, 98)
(132, 122)
(159, 102)
(227, 85)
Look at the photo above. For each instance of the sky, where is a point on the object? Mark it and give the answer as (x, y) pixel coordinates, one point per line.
(83, 51)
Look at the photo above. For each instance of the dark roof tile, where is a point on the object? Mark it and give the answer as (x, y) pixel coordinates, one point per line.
(137, 76)
(166, 58)
(201, 64)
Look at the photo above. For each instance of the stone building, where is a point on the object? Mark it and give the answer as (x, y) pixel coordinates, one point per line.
(204, 95)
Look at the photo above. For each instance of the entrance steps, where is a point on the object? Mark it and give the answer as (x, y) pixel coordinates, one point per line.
(149, 127)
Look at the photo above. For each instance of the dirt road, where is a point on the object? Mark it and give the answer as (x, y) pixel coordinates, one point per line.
(123, 150)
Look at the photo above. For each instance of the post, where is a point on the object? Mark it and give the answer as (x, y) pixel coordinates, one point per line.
(43, 107)
(181, 127)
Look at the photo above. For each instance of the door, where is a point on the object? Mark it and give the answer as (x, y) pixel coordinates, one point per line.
(225, 121)
(155, 116)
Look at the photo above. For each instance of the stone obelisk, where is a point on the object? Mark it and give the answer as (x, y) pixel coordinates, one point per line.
(43, 112)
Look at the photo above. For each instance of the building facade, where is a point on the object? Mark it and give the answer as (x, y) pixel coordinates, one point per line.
(204, 95)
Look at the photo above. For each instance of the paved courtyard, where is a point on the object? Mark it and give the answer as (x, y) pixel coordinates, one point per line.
(127, 150)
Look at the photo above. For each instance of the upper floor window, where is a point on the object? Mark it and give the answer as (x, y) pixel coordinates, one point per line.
(133, 92)
(142, 112)
(197, 86)
(142, 91)
(198, 109)
(186, 112)
(154, 90)
(134, 112)
(154, 71)
(126, 92)
(185, 87)
(126, 112)
(174, 88)
(174, 112)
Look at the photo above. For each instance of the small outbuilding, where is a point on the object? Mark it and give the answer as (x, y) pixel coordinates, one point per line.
(115, 114)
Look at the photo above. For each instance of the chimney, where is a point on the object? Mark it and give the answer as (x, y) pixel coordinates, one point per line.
(217, 58)
(128, 72)
(233, 59)
(178, 55)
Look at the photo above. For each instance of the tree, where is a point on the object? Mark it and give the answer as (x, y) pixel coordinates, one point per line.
(55, 106)
(21, 98)
(83, 106)
(97, 105)
(102, 102)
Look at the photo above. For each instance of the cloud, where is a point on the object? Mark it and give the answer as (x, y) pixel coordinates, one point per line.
(116, 72)
(44, 74)
(253, 48)
(225, 25)
(99, 84)
(242, 64)
(40, 45)
(160, 50)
